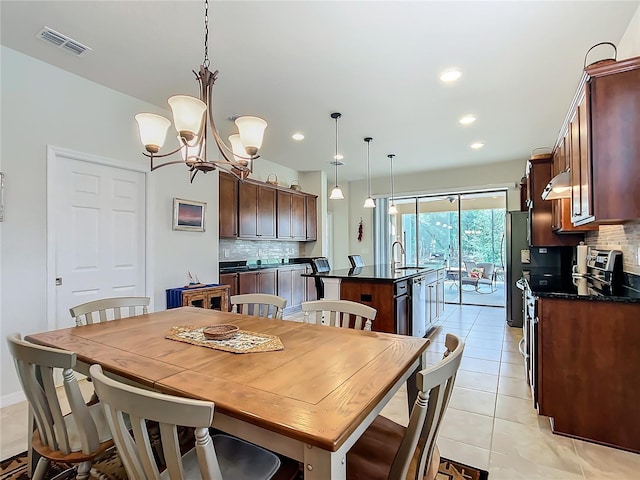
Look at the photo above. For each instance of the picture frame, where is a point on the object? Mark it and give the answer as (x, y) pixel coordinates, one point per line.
(189, 215)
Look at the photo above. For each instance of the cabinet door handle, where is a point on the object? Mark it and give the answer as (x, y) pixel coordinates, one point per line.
(520, 348)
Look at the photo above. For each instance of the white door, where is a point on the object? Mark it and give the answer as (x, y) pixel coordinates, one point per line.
(99, 224)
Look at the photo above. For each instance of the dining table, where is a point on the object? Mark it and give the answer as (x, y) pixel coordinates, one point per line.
(310, 400)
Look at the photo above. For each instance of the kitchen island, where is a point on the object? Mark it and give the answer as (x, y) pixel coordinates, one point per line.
(408, 299)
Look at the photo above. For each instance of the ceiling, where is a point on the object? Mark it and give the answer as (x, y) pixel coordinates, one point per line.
(378, 63)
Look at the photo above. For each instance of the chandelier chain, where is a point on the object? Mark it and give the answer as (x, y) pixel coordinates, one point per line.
(206, 62)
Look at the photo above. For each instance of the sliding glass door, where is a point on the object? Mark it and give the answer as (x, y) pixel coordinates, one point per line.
(463, 231)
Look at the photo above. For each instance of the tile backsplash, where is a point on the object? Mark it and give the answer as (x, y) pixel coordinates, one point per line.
(230, 250)
(619, 237)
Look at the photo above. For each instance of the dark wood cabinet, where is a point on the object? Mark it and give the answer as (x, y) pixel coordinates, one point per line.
(228, 206)
(541, 234)
(260, 281)
(390, 299)
(230, 279)
(312, 217)
(566, 156)
(253, 210)
(587, 358)
(602, 144)
(257, 211)
(292, 286)
(291, 216)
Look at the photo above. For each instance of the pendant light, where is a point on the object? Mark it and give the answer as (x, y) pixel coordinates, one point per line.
(392, 206)
(336, 193)
(369, 203)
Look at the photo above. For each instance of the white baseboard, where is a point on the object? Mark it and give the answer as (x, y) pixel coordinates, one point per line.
(12, 399)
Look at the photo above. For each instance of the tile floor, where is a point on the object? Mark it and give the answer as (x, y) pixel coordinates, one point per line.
(490, 422)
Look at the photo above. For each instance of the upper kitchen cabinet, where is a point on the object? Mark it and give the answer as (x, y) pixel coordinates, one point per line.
(603, 125)
(541, 234)
(312, 217)
(257, 211)
(228, 206)
(292, 222)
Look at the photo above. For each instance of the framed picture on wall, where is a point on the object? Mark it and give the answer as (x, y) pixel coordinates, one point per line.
(188, 215)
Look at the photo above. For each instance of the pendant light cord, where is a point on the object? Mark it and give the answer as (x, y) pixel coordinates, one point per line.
(391, 163)
(335, 158)
(368, 140)
(206, 62)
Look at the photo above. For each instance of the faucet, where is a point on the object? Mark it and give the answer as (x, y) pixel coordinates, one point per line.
(394, 263)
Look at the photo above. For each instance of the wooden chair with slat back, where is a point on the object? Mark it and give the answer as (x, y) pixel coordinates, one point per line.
(76, 438)
(109, 309)
(339, 313)
(220, 457)
(388, 451)
(259, 305)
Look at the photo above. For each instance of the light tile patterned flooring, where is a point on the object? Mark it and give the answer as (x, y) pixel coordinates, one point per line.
(490, 422)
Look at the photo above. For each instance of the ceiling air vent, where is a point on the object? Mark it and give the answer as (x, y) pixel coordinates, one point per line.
(62, 41)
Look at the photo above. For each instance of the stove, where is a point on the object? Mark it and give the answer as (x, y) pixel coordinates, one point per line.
(604, 275)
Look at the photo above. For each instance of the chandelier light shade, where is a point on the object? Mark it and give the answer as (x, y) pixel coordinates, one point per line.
(369, 203)
(336, 193)
(153, 130)
(191, 117)
(393, 210)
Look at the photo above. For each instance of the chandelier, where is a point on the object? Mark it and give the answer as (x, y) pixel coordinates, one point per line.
(336, 193)
(190, 118)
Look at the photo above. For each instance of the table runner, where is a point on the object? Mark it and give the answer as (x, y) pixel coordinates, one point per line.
(242, 342)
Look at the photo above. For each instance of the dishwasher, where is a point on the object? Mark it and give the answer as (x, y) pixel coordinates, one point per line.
(418, 306)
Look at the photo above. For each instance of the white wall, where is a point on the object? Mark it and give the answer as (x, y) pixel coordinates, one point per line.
(496, 175)
(43, 105)
(629, 45)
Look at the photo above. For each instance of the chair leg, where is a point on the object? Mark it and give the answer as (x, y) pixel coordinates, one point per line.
(84, 471)
(41, 469)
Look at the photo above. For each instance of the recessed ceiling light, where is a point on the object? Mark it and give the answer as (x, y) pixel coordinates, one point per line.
(477, 145)
(338, 157)
(467, 119)
(297, 136)
(450, 75)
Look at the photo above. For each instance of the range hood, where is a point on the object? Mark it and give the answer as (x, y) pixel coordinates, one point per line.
(558, 187)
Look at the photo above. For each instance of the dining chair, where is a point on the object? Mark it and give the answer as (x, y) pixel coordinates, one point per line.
(212, 457)
(109, 309)
(339, 313)
(388, 451)
(259, 305)
(76, 438)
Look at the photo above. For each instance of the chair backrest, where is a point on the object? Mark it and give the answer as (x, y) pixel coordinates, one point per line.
(435, 385)
(356, 261)
(35, 366)
(469, 265)
(121, 401)
(109, 309)
(488, 269)
(339, 313)
(320, 264)
(259, 305)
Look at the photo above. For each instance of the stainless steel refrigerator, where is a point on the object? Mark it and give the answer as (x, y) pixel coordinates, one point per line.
(546, 266)
(517, 247)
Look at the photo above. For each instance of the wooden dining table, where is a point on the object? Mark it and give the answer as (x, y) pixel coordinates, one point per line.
(310, 401)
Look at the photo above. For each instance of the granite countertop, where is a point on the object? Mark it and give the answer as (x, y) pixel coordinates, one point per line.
(629, 296)
(626, 293)
(244, 265)
(378, 272)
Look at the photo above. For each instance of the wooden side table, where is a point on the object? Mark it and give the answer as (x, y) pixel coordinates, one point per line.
(211, 296)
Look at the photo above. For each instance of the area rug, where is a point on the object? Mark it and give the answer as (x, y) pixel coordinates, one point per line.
(109, 467)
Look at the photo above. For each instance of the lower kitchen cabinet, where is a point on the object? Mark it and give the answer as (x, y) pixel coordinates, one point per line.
(390, 299)
(588, 365)
(230, 279)
(292, 286)
(261, 281)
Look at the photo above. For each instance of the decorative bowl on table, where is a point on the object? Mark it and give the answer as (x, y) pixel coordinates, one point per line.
(220, 332)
